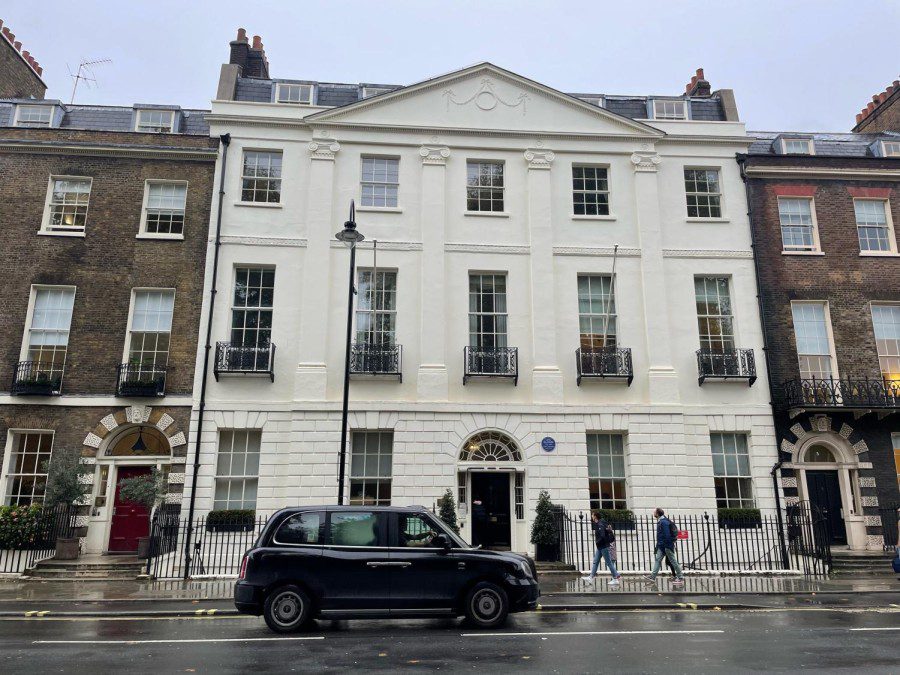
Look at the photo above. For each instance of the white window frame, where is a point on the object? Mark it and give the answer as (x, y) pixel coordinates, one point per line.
(662, 103)
(720, 194)
(368, 92)
(500, 339)
(362, 182)
(491, 188)
(29, 320)
(888, 222)
(816, 246)
(244, 477)
(65, 231)
(607, 301)
(810, 146)
(365, 477)
(835, 375)
(279, 86)
(145, 207)
(126, 350)
(722, 318)
(607, 192)
(11, 435)
(140, 112)
(376, 291)
(598, 452)
(243, 177)
(896, 378)
(890, 148)
(738, 476)
(33, 125)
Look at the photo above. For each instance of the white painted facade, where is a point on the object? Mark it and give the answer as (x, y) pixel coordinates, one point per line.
(434, 127)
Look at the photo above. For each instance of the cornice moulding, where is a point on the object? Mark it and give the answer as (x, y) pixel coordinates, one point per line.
(706, 253)
(597, 251)
(835, 173)
(486, 248)
(383, 245)
(187, 154)
(298, 242)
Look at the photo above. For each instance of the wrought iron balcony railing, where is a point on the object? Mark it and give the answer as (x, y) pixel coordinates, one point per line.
(729, 364)
(241, 360)
(136, 379)
(606, 363)
(375, 359)
(491, 362)
(863, 393)
(33, 378)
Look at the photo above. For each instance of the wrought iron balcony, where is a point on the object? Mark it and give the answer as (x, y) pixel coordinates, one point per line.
(605, 363)
(491, 362)
(241, 360)
(859, 393)
(136, 379)
(33, 378)
(375, 359)
(728, 364)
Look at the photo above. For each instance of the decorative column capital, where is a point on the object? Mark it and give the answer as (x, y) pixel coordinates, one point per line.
(434, 154)
(645, 161)
(539, 159)
(324, 149)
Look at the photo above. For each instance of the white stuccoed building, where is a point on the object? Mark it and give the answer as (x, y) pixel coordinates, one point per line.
(497, 204)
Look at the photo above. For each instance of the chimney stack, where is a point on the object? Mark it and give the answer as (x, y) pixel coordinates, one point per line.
(882, 113)
(28, 61)
(698, 86)
(250, 59)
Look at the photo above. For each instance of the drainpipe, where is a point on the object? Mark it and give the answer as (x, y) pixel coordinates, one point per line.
(225, 141)
(760, 303)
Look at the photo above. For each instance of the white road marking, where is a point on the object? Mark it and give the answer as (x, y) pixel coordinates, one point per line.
(597, 632)
(165, 642)
(885, 628)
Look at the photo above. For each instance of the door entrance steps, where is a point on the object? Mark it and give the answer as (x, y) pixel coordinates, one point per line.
(845, 561)
(87, 568)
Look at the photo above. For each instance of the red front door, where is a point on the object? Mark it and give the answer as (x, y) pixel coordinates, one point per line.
(130, 521)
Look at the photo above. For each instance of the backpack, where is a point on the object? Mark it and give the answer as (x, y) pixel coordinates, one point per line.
(673, 529)
(610, 535)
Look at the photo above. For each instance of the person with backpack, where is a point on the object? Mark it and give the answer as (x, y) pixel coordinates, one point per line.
(604, 538)
(666, 536)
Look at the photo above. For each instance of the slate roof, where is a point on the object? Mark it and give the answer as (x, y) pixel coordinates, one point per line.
(106, 117)
(334, 94)
(825, 144)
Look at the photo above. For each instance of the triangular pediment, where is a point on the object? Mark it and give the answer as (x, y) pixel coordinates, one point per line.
(484, 97)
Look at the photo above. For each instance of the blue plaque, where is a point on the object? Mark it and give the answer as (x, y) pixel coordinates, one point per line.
(548, 444)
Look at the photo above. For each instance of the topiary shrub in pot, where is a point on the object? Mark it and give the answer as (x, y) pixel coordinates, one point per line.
(544, 530)
(230, 520)
(738, 519)
(65, 488)
(620, 519)
(447, 510)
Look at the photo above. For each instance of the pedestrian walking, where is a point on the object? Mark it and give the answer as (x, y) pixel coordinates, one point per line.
(666, 536)
(605, 541)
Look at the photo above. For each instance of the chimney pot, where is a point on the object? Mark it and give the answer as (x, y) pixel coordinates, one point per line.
(870, 107)
(40, 71)
(257, 42)
(18, 45)
(859, 117)
(700, 75)
(242, 35)
(26, 54)
(6, 33)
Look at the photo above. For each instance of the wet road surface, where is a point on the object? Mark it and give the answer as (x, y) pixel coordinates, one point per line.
(633, 641)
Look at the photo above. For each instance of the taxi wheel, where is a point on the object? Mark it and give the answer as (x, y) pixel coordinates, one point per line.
(486, 605)
(287, 609)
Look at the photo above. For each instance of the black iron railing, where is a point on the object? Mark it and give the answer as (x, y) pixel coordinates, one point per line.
(850, 392)
(375, 359)
(728, 364)
(491, 362)
(608, 363)
(889, 526)
(33, 536)
(33, 378)
(141, 380)
(241, 360)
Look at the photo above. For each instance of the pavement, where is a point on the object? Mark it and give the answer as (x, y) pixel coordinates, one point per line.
(663, 641)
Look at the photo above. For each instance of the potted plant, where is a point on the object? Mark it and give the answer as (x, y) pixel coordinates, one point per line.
(737, 519)
(148, 490)
(544, 532)
(447, 510)
(230, 520)
(619, 519)
(66, 488)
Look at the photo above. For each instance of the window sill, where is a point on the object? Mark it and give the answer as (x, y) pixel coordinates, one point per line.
(879, 254)
(260, 205)
(380, 209)
(46, 233)
(163, 237)
(585, 217)
(802, 253)
(487, 214)
(707, 220)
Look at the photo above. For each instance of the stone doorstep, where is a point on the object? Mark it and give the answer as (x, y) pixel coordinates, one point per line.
(86, 568)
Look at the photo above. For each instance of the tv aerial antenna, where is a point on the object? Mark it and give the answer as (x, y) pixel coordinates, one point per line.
(85, 73)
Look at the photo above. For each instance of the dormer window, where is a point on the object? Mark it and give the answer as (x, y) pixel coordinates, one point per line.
(890, 148)
(797, 146)
(34, 116)
(669, 110)
(155, 121)
(298, 94)
(368, 92)
(594, 100)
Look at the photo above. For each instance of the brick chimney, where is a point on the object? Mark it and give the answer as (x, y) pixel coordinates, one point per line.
(882, 113)
(20, 73)
(698, 86)
(250, 59)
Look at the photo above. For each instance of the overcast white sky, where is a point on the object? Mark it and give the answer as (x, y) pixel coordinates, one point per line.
(794, 64)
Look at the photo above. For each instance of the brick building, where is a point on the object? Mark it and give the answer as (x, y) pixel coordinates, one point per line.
(823, 208)
(20, 73)
(105, 213)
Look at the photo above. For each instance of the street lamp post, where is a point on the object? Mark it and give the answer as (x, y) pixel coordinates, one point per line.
(350, 237)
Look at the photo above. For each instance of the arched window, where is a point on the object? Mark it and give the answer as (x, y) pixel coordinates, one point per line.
(139, 441)
(490, 446)
(819, 453)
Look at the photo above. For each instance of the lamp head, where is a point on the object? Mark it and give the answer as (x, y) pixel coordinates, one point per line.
(350, 235)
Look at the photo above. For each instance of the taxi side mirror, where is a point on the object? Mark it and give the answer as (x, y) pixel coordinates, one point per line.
(442, 541)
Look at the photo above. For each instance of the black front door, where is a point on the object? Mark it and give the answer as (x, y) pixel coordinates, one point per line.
(490, 510)
(825, 493)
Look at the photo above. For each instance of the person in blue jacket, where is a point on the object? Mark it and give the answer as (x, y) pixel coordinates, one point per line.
(666, 535)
